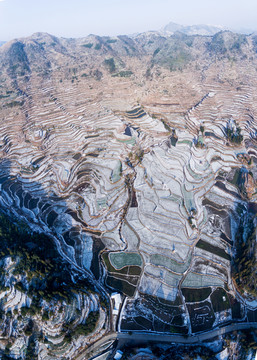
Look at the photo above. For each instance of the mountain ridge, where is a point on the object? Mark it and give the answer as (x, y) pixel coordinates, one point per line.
(198, 29)
(43, 50)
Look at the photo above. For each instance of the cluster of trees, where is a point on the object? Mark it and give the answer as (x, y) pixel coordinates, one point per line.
(199, 143)
(14, 103)
(81, 329)
(28, 330)
(124, 73)
(244, 264)
(234, 136)
(166, 126)
(111, 41)
(217, 45)
(191, 223)
(97, 74)
(48, 275)
(98, 46)
(31, 349)
(241, 343)
(110, 64)
(89, 45)
(137, 155)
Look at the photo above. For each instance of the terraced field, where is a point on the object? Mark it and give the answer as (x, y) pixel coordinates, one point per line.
(157, 170)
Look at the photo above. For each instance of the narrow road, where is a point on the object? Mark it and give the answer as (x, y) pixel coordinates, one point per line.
(136, 337)
(141, 337)
(95, 346)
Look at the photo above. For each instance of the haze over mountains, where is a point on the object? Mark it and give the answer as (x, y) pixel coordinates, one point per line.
(171, 28)
(200, 29)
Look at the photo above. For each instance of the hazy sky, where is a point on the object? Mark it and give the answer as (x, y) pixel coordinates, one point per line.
(78, 18)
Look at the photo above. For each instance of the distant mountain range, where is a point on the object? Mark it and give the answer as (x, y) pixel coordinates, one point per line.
(41, 52)
(202, 29)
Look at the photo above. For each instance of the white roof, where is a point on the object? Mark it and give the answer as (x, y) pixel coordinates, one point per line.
(118, 355)
(116, 297)
(117, 300)
(223, 355)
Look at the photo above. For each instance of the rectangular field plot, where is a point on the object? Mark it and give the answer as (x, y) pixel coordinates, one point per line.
(164, 275)
(161, 326)
(163, 317)
(220, 301)
(213, 249)
(120, 285)
(127, 270)
(196, 295)
(147, 312)
(133, 280)
(160, 260)
(252, 315)
(144, 322)
(160, 303)
(125, 279)
(194, 280)
(141, 323)
(235, 307)
(204, 266)
(167, 314)
(119, 260)
(129, 324)
(201, 316)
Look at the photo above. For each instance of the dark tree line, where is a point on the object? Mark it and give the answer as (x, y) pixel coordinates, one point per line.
(244, 264)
